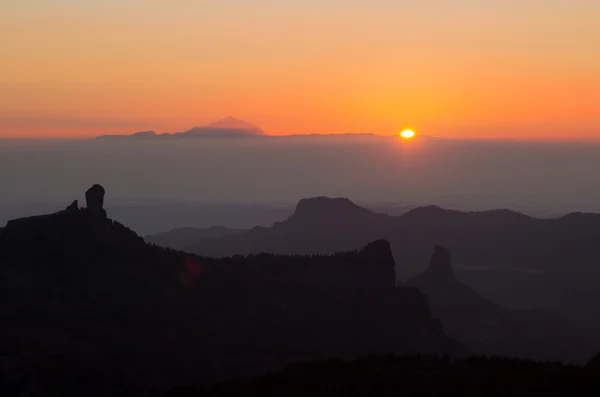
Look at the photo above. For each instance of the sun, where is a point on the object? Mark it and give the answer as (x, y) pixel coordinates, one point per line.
(407, 134)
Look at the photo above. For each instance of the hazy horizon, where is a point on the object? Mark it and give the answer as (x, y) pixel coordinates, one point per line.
(539, 179)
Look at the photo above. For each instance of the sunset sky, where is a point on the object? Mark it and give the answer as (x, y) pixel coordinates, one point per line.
(527, 69)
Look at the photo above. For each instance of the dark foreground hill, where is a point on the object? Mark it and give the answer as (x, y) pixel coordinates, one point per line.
(426, 376)
(89, 308)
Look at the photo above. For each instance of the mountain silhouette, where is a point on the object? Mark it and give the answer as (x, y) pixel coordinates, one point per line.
(229, 127)
(235, 124)
(318, 225)
(518, 261)
(86, 294)
(490, 329)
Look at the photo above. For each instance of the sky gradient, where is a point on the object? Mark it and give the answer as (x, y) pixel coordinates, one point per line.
(527, 69)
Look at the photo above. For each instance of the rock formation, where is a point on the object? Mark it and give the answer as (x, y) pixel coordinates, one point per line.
(94, 197)
(367, 270)
(69, 216)
(74, 206)
(440, 266)
(487, 327)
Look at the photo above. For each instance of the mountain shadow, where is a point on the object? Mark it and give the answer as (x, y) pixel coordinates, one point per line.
(89, 308)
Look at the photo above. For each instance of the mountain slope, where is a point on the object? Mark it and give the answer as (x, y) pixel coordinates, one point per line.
(489, 328)
(85, 294)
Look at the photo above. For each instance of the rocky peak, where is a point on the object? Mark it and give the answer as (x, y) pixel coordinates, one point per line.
(94, 197)
(441, 263)
(439, 270)
(378, 247)
(328, 208)
(381, 269)
(74, 206)
(73, 228)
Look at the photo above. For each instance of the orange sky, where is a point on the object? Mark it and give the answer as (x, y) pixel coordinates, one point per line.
(461, 69)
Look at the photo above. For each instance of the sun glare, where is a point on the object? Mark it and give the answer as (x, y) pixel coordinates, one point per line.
(407, 134)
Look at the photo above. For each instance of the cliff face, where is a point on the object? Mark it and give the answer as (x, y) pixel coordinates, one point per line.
(82, 286)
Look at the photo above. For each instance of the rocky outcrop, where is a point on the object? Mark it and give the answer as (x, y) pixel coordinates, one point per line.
(440, 268)
(74, 206)
(369, 269)
(487, 327)
(94, 197)
(447, 293)
(380, 271)
(70, 218)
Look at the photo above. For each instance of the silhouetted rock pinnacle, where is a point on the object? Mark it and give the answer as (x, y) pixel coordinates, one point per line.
(440, 267)
(74, 206)
(441, 263)
(382, 270)
(94, 197)
(486, 326)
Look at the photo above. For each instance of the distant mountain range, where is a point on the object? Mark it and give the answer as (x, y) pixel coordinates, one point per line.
(229, 127)
(519, 261)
